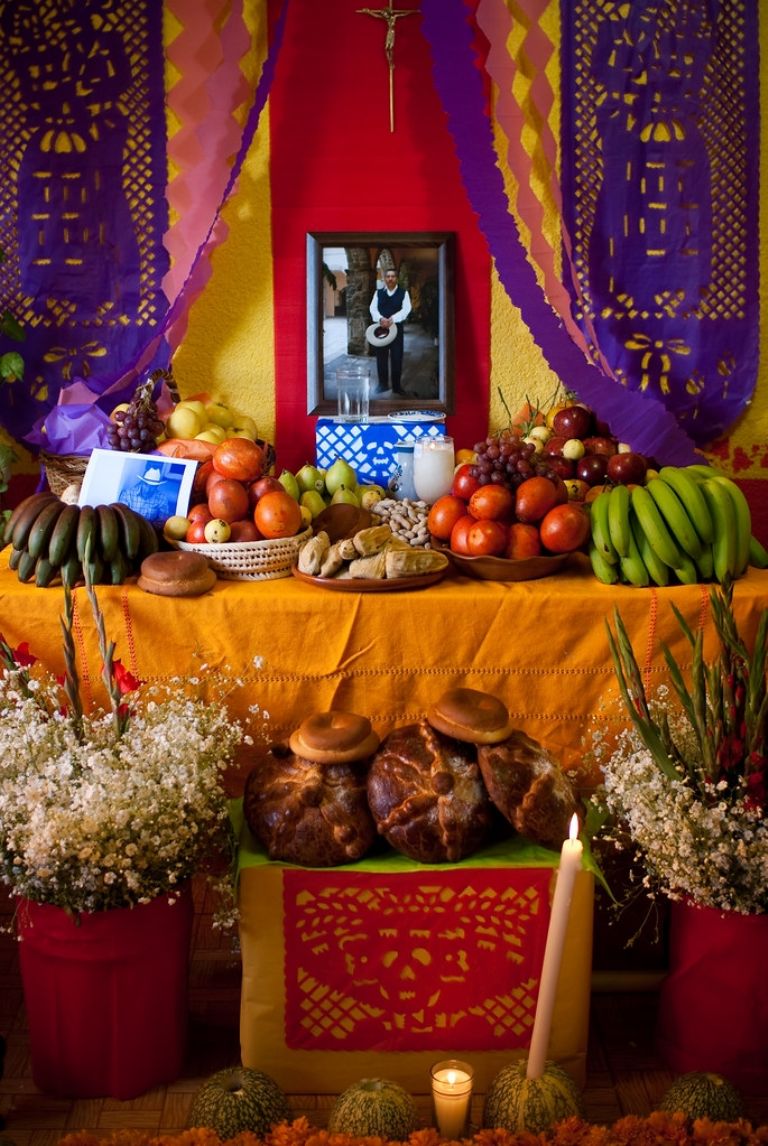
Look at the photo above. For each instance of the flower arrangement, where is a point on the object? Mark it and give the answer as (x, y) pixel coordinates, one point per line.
(111, 807)
(686, 786)
(656, 1129)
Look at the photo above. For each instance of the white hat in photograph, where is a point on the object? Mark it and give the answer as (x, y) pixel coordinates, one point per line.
(377, 335)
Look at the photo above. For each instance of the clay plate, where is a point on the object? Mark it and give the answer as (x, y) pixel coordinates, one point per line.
(503, 568)
(372, 585)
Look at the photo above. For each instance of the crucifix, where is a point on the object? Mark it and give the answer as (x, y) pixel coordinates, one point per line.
(391, 15)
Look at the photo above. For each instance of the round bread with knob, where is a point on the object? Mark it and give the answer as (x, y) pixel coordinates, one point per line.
(470, 715)
(334, 738)
(176, 573)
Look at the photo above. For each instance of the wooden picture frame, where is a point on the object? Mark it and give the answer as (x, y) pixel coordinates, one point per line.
(344, 270)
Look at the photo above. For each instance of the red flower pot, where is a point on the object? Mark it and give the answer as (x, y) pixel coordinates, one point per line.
(713, 1008)
(106, 996)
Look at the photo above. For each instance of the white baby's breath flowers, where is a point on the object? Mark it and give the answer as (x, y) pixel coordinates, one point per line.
(686, 787)
(108, 808)
(712, 852)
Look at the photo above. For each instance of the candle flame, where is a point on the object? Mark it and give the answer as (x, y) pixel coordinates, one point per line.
(573, 830)
(451, 1077)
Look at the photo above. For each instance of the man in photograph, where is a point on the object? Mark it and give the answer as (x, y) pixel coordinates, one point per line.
(390, 307)
(152, 493)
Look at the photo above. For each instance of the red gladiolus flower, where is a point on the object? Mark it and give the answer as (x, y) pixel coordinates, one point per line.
(124, 679)
(23, 657)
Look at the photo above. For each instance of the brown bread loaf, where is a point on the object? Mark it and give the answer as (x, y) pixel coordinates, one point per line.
(529, 788)
(427, 796)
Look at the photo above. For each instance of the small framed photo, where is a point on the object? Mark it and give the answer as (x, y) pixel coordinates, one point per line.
(156, 487)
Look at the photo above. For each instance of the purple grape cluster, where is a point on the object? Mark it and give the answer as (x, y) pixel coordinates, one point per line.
(506, 459)
(136, 429)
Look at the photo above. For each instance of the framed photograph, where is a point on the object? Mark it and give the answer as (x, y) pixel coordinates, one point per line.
(381, 302)
(156, 487)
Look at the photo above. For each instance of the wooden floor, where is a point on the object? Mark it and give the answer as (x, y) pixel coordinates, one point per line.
(624, 1075)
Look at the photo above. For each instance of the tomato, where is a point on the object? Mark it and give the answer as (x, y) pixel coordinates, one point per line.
(200, 512)
(277, 514)
(228, 500)
(464, 484)
(534, 498)
(458, 541)
(196, 533)
(565, 528)
(202, 473)
(239, 458)
(492, 502)
(486, 539)
(522, 541)
(444, 514)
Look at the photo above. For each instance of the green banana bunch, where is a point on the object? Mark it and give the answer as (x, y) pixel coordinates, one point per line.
(686, 525)
(51, 540)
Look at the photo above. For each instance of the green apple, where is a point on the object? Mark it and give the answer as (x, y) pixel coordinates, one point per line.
(312, 500)
(289, 484)
(212, 433)
(370, 495)
(193, 404)
(344, 496)
(340, 474)
(310, 478)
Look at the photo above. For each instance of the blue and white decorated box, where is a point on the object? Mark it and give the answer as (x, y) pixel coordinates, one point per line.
(370, 446)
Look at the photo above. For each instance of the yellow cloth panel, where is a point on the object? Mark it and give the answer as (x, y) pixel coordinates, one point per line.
(262, 1002)
(298, 649)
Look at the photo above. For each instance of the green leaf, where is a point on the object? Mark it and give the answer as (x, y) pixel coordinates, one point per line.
(11, 366)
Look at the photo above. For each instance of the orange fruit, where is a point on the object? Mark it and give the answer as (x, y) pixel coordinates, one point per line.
(277, 514)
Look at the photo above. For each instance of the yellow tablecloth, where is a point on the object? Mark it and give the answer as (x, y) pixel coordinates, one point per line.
(296, 648)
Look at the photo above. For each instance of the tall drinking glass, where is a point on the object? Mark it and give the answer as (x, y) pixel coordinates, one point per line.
(433, 466)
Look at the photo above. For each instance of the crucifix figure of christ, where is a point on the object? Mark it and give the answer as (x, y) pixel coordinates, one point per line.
(391, 15)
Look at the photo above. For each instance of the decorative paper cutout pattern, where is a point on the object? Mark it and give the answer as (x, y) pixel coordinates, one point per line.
(413, 962)
(660, 154)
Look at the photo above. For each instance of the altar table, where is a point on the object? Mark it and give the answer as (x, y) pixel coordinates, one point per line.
(381, 967)
(292, 648)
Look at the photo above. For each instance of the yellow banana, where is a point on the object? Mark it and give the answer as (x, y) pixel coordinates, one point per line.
(674, 514)
(654, 527)
(601, 567)
(601, 534)
(724, 519)
(618, 519)
(743, 522)
(686, 486)
(658, 570)
(633, 568)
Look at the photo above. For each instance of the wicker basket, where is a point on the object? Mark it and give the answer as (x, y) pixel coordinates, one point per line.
(62, 470)
(252, 560)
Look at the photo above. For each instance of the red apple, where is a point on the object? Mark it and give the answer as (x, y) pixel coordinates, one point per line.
(600, 445)
(563, 467)
(553, 447)
(262, 485)
(592, 468)
(573, 422)
(464, 482)
(624, 469)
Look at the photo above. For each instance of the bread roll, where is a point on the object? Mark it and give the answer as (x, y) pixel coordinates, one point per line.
(529, 788)
(471, 715)
(427, 796)
(176, 573)
(308, 813)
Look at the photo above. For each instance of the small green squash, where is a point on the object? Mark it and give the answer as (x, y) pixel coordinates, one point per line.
(701, 1094)
(374, 1107)
(237, 1099)
(516, 1103)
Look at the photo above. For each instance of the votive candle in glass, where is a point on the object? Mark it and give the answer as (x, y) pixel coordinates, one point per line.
(451, 1094)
